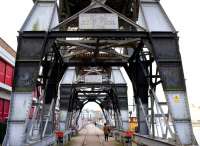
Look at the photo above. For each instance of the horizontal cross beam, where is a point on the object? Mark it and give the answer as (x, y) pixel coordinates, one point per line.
(98, 34)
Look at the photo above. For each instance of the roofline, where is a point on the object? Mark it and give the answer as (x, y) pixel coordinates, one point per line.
(7, 48)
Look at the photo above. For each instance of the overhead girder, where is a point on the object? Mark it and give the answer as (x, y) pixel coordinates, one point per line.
(129, 8)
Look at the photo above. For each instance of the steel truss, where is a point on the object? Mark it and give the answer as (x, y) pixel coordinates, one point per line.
(46, 57)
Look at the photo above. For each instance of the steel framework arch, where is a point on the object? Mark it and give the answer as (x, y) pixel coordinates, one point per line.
(46, 52)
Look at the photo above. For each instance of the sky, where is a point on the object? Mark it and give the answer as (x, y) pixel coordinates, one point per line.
(184, 14)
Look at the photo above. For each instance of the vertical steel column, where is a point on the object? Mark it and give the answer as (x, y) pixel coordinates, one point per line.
(164, 46)
(140, 86)
(166, 52)
(119, 96)
(29, 55)
(66, 94)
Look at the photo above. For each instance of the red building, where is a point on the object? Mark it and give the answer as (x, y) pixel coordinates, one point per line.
(7, 61)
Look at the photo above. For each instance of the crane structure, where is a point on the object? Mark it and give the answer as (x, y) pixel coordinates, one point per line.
(71, 52)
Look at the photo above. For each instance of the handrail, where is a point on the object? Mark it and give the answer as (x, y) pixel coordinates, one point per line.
(162, 112)
(33, 120)
(148, 125)
(48, 117)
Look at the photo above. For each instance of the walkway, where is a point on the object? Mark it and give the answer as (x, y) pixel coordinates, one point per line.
(92, 136)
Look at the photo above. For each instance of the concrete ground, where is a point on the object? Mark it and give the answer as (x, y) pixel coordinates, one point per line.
(92, 136)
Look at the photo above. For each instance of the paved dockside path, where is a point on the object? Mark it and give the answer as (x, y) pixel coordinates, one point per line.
(92, 136)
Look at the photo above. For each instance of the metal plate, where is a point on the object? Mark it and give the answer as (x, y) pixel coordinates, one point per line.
(98, 21)
(178, 100)
(16, 138)
(69, 76)
(65, 91)
(20, 105)
(153, 17)
(25, 76)
(184, 131)
(172, 76)
(37, 22)
(116, 76)
(166, 48)
(93, 79)
(30, 49)
(123, 103)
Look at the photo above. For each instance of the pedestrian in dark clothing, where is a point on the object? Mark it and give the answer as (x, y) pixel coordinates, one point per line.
(106, 131)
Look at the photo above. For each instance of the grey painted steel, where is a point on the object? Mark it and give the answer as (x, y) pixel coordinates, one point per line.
(116, 76)
(69, 76)
(143, 119)
(143, 126)
(167, 55)
(48, 119)
(153, 18)
(29, 53)
(65, 92)
(46, 141)
(162, 41)
(19, 112)
(160, 110)
(166, 52)
(150, 141)
(181, 118)
(37, 22)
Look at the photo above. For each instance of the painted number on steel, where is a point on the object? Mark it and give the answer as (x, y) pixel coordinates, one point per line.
(98, 21)
(93, 79)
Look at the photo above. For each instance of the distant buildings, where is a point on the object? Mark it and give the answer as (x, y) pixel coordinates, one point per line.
(7, 61)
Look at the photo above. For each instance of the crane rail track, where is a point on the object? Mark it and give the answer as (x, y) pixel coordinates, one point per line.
(85, 137)
(96, 133)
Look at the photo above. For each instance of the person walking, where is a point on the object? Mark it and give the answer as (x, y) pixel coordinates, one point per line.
(106, 131)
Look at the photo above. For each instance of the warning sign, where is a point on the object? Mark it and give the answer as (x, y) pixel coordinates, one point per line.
(176, 99)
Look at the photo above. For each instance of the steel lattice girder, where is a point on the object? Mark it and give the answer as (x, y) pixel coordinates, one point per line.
(126, 7)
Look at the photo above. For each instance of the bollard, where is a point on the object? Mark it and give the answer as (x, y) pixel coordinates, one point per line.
(59, 136)
(127, 138)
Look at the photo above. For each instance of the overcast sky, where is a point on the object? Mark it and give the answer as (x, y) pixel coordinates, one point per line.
(184, 14)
